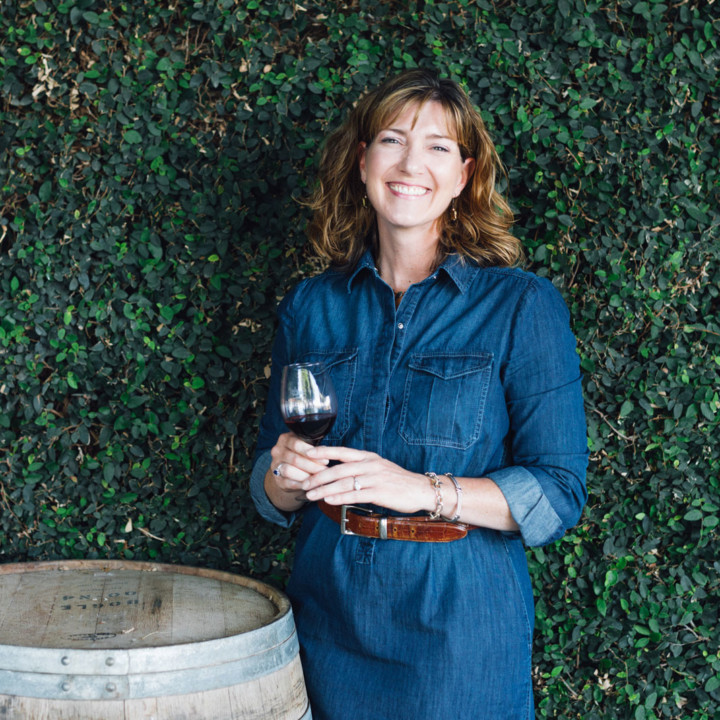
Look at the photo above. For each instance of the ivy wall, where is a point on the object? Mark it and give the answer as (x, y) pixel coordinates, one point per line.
(152, 155)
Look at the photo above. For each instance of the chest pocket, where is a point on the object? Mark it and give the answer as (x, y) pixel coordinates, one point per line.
(342, 365)
(444, 399)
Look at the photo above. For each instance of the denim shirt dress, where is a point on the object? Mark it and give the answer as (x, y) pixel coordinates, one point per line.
(475, 373)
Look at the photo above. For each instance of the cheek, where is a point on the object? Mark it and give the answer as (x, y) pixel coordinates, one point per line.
(457, 182)
(373, 167)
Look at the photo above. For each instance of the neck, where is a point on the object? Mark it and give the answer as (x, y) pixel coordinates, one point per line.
(403, 259)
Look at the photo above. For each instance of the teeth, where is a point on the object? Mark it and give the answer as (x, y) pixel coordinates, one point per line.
(408, 189)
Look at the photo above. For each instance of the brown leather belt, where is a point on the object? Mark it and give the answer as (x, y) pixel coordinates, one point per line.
(354, 520)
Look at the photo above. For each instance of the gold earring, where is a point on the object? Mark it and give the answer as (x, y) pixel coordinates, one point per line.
(365, 201)
(453, 212)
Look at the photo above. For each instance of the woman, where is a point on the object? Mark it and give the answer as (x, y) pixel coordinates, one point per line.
(460, 401)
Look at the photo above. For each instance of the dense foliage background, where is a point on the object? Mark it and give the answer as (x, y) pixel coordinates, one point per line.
(151, 158)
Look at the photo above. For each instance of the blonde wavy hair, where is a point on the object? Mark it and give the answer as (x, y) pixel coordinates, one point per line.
(342, 227)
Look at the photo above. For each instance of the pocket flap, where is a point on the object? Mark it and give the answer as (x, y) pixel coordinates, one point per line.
(330, 357)
(449, 366)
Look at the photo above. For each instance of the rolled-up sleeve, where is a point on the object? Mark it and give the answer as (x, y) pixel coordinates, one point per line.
(544, 484)
(272, 425)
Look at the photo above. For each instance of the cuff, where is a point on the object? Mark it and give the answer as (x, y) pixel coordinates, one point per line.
(539, 523)
(259, 496)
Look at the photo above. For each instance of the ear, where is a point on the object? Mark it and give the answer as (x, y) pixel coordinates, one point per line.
(362, 148)
(465, 175)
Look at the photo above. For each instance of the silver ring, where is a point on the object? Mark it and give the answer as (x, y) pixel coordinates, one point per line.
(276, 471)
(356, 484)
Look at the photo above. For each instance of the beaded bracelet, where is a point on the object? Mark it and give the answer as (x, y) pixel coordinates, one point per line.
(458, 490)
(437, 485)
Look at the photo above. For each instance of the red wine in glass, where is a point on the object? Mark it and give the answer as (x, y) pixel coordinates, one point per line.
(307, 400)
(311, 428)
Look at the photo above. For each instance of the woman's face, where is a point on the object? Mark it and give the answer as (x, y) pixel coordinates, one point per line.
(413, 169)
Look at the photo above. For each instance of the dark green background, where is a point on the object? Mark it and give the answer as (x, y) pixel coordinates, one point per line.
(151, 160)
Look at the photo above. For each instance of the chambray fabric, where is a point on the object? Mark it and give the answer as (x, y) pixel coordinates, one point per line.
(476, 374)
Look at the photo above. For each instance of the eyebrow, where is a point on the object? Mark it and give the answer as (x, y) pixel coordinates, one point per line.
(431, 136)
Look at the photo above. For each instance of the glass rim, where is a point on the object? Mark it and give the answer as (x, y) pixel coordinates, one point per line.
(314, 363)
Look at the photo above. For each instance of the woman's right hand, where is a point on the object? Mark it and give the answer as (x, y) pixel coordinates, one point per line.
(289, 468)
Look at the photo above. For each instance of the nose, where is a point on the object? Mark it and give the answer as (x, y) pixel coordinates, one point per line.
(411, 161)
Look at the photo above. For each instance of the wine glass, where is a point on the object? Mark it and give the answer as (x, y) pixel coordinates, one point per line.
(307, 400)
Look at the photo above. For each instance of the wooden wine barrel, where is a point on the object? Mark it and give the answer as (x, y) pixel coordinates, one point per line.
(84, 640)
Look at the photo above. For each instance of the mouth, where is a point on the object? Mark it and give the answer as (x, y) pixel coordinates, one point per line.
(408, 190)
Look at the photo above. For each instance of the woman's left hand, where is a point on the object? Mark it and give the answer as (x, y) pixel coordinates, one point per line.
(365, 477)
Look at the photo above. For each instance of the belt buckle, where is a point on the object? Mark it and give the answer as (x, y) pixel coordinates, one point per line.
(356, 508)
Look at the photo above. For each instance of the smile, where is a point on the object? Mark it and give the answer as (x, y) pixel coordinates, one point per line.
(411, 190)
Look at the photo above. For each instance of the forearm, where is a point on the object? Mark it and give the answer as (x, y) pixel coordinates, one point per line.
(481, 503)
(363, 477)
(287, 500)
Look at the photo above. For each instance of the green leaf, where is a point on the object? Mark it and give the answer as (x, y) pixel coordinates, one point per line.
(587, 103)
(109, 470)
(611, 578)
(601, 605)
(132, 137)
(45, 191)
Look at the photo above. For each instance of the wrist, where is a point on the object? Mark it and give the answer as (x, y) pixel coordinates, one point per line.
(286, 500)
(440, 505)
(455, 516)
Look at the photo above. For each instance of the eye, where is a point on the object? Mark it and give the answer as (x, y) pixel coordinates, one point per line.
(441, 148)
(389, 140)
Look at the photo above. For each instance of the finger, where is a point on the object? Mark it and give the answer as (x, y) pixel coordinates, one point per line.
(332, 474)
(343, 491)
(342, 454)
(289, 475)
(295, 443)
(284, 459)
(303, 449)
(304, 465)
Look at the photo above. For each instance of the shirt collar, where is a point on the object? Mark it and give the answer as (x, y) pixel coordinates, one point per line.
(460, 270)
(366, 262)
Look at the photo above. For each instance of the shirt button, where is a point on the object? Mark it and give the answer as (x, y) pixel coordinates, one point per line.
(400, 326)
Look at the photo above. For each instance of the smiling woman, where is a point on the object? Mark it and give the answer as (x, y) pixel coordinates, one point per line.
(462, 432)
